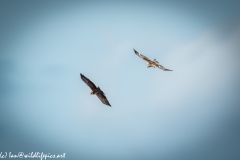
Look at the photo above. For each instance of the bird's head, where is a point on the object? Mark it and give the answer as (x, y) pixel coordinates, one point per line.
(92, 92)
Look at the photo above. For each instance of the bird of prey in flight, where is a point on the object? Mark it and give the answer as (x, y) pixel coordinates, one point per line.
(150, 63)
(95, 90)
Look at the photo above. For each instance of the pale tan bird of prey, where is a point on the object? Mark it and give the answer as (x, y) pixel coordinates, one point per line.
(150, 63)
(95, 90)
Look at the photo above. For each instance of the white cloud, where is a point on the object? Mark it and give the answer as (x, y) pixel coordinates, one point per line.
(193, 97)
(200, 68)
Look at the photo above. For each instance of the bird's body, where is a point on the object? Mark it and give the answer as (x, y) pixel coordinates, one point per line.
(95, 90)
(150, 63)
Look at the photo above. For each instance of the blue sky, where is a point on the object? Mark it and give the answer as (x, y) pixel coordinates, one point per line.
(190, 113)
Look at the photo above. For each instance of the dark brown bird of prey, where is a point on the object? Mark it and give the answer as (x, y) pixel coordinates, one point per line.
(95, 90)
(150, 63)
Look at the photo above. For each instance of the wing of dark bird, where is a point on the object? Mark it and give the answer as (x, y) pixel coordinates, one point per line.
(161, 67)
(102, 97)
(142, 56)
(88, 82)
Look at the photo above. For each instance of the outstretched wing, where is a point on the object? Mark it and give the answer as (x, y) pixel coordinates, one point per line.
(88, 82)
(161, 67)
(142, 56)
(102, 97)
